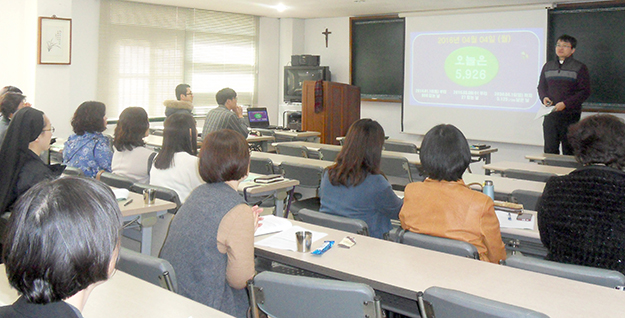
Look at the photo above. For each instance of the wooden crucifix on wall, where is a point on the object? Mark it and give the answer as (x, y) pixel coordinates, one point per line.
(326, 33)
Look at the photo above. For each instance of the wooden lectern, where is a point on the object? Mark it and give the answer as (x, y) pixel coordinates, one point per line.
(341, 107)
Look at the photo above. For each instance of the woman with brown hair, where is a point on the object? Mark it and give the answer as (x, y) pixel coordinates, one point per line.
(87, 148)
(210, 242)
(132, 158)
(355, 187)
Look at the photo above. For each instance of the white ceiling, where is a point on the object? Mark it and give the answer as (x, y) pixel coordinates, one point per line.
(307, 9)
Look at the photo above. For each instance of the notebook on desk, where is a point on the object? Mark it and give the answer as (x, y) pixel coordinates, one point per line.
(259, 118)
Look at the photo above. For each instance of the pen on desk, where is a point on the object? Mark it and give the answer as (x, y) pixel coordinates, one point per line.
(129, 201)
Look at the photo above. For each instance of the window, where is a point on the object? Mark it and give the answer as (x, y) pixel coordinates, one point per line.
(146, 50)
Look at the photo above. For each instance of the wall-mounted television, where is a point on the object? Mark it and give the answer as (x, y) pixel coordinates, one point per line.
(294, 76)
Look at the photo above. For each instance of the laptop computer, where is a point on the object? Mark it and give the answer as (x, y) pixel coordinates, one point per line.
(258, 117)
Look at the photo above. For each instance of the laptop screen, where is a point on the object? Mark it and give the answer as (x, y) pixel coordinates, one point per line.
(258, 117)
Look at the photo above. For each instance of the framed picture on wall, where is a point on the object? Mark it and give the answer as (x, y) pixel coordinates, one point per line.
(55, 41)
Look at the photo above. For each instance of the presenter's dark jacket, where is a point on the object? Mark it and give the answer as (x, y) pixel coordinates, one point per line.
(568, 82)
(23, 309)
(581, 218)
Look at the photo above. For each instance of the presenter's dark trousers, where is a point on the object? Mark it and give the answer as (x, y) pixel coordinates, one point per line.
(555, 128)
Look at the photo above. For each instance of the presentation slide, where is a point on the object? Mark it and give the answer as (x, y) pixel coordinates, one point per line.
(476, 70)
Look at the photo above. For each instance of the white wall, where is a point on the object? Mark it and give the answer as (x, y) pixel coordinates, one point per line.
(18, 56)
(55, 89)
(269, 66)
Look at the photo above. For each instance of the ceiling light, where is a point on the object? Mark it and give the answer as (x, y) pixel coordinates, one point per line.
(280, 7)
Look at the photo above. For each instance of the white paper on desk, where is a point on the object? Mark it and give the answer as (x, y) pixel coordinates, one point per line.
(514, 223)
(272, 224)
(285, 240)
(544, 111)
(121, 194)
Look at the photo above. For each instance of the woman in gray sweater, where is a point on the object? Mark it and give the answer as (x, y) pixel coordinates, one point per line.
(211, 240)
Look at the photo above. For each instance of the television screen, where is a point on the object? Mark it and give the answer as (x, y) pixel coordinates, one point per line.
(294, 76)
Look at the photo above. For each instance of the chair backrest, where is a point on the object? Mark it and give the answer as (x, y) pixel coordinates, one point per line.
(328, 154)
(592, 275)
(73, 171)
(115, 180)
(149, 268)
(440, 244)
(526, 197)
(309, 176)
(448, 303)
(292, 150)
(261, 165)
(390, 145)
(284, 296)
(334, 221)
(528, 175)
(394, 166)
(162, 193)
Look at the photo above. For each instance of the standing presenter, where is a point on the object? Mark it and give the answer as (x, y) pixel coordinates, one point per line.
(565, 84)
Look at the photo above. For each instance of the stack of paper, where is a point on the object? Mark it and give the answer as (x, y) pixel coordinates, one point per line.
(271, 224)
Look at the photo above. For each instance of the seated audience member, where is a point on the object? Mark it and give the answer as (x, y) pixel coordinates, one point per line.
(88, 149)
(130, 157)
(176, 165)
(443, 205)
(9, 103)
(182, 103)
(355, 187)
(62, 241)
(581, 216)
(210, 242)
(26, 139)
(228, 115)
(10, 88)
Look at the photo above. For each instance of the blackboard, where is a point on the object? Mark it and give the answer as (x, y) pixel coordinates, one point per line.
(377, 57)
(600, 34)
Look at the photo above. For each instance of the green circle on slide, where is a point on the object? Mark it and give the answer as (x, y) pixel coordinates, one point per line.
(258, 116)
(471, 66)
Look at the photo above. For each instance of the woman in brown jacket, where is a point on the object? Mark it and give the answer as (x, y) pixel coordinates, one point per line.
(443, 205)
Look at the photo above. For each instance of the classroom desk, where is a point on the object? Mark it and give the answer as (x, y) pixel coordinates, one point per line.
(278, 190)
(413, 158)
(502, 166)
(293, 135)
(482, 154)
(147, 216)
(124, 295)
(278, 159)
(404, 270)
(157, 141)
(540, 158)
(504, 186)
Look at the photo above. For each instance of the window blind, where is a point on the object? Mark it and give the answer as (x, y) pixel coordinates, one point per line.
(146, 50)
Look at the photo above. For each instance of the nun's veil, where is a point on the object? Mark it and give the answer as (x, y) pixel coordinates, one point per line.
(26, 125)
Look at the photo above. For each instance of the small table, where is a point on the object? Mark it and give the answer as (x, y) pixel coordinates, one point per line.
(279, 190)
(148, 216)
(501, 167)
